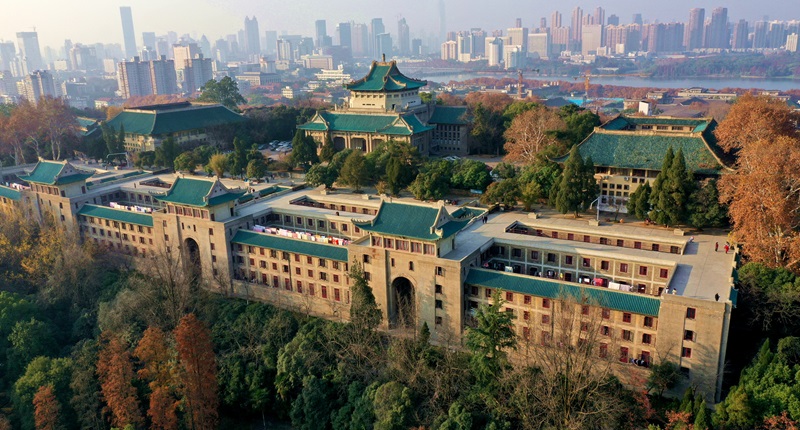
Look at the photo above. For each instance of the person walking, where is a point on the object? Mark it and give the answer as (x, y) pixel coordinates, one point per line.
(726, 248)
(716, 246)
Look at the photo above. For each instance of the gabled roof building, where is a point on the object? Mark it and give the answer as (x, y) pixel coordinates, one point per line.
(386, 105)
(628, 151)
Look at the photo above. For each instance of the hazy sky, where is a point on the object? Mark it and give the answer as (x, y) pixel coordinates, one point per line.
(91, 21)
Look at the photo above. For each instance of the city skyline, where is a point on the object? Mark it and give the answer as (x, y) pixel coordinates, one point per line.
(216, 19)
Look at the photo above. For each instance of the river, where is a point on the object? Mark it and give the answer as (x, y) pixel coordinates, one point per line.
(635, 81)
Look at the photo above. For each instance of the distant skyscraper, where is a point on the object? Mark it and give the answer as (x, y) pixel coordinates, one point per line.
(518, 23)
(693, 38)
(519, 37)
(555, 19)
(717, 32)
(442, 22)
(637, 19)
(792, 42)
(416, 46)
(128, 35)
(592, 39)
(740, 35)
(37, 84)
(599, 16)
(403, 37)
(376, 27)
(31, 56)
(322, 33)
(7, 55)
(143, 78)
(360, 40)
(149, 39)
(344, 34)
(612, 20)
(191, 68)
(383, 43)
(252, 37)
(271, 38)
(575, 30)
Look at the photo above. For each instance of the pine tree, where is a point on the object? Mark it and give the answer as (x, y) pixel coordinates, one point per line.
(353, 172)
(328, 151)
(120, 142)
(238, 160)
(198, 371)
(701, 414)
(115, 372)
(578, 187)
(639, 201)
(659, 197)
(364, 311)
(47, 410)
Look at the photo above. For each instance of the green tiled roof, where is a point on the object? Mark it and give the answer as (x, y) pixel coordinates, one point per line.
(412, 221)
(9, 193)
(455, 115)
(363, 123)
(646, 150)
(120, 215)
(385, 77)
(193, 192)
(159, 122)
(47, 172)
(542, 287)
(297, 246)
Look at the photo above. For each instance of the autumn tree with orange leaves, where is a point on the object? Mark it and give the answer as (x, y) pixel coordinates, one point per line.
(115, 372)
(763, 193)
(199, 373)
(531, 136)
(47, 410)
(158, 369)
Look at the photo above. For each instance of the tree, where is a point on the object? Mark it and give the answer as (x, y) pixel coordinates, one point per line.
(364, 311)
(762, 197)
(705, 209)
(671, 190)
(312, 408)
(578, 187)
(701, 421)
(167, 152)
(663, 376)
(225, 92)
(304, 150)
(85, 400)
(547, 175)
(29, 339)
(186, 161)
(115, 372)
(256, 169)
(505, 192)
(238, 158)
(328, 150)
(639, 201)
(579, 124)
(320, 174)
(505, 170)
(486, 129)
(754, 119)
(353, 172)
(392, 406)
(532, 136)
(113, 144)
(198, 371)
(433, 182)
(219, 164)
(42, 371)
(488, 341)
(47, 411)
(158, 369)
(470, 175)
(57, 122)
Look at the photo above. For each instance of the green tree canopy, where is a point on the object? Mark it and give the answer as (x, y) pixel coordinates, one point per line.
(489, 341)
(320, 174)
(639, 201)
(578, 187)
(187, 161)
(304, 150)
(225, 92)
(353, 172)
(470, 175)
(327, 151)
(505, 192)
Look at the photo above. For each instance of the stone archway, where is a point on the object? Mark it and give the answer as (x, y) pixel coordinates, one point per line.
(338, 143)
(358, 143)
(403, 304)
(191, 254)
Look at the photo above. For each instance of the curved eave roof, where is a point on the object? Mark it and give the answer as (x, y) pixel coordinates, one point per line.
(385, 77)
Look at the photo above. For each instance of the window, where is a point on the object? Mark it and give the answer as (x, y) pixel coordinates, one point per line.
(620, 242)
(310, 272)
(526, 333)
(411, 266)
(584, 310)
(664, 273)
(534, 255)
(623, 267)
(586, 262)
(297, 258)
(488, 292)
(603, 241)
(605, 330)
(647, 339)
(623, 354)
(603, 350)
(438, 289)
(626, 317)
(648, 321)
(545, 338)
(516, 252)
(570, 236)
(643, 270)
(604, 265)
(322, 263)
(554, 235)
(637, 245)
(654, 247)
(366, 258)
(324, 291)
(310, 289)
(473, 290)
(545, 319)
(337, 295)
(691, 313)
(438, 320)
(439, 304)
(336, 278)
(688, 335)
(627, 335)
(367, 276)
(309, 260)
(606, 314)
(686, 352)
(509, 296)
(526, 299)
(551, 258)
(546, 303)
(526, 315)
(568, 260)
(587, 238)
(439, 271)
